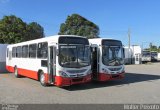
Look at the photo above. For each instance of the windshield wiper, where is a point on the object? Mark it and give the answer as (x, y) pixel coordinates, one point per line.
(114, 62)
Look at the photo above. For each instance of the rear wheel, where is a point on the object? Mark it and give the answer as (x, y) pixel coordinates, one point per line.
(16, 73)
(42, 79)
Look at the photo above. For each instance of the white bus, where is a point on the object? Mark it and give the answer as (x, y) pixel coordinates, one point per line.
(146, 56)
(154, 56)
(61, 60)
(107, 59)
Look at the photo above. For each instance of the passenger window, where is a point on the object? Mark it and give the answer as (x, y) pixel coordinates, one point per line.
(14, 52)
(42, 51)
(25, 51)
(19, 52)
(32, 50)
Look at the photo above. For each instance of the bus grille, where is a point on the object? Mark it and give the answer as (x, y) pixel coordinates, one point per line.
(77, 79)
(114, 69)
(76, 71)
(76, 75)
(115, 76)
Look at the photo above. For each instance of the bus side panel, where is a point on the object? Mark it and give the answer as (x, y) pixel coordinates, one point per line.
(28, 73)
(10, 69)
(24, 72)
(32, 74)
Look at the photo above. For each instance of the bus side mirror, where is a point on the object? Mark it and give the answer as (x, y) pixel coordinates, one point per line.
(91, 49)
(57, 52)
(123, 53)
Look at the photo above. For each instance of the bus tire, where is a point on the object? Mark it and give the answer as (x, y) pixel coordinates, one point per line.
(42, 79)
(16, 73)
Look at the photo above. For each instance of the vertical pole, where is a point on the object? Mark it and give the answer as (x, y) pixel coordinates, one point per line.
(129, 44)
(129, 38)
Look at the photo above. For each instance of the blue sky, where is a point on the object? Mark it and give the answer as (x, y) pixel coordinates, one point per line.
(113, 17)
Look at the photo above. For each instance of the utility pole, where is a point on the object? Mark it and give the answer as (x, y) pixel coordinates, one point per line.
(150, 46)
(129, 45)
(129, 38)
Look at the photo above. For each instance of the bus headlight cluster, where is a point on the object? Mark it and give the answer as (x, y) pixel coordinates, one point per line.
(104, 70)
(123, 70)
(89, 72)
(63, 74)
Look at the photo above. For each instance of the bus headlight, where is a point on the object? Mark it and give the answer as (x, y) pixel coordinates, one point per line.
(123, 70)
(89, 72)
(63, 74)
(104, 70)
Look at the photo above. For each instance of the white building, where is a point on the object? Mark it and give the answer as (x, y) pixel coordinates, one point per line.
(128, 55)
(159, 56)
(3, 48)
(133, 55)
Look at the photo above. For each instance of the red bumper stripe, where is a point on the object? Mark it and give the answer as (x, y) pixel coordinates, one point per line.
(60, 81)
(107, 77)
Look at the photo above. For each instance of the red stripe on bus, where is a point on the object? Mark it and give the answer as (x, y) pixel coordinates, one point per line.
(61, 81)
(107, 77)
(24, 72)
(10, 69)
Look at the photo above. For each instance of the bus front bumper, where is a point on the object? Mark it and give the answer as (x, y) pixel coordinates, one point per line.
(107, 77)
(61, 81)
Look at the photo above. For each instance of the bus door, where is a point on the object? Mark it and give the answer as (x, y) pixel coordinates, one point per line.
(52, 63)
(137, 59)
(95, 62)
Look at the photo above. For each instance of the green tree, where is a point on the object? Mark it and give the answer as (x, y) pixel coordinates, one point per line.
(78, 25)
(152, 47)
(34, 31)
(159, 49)
(14, 30)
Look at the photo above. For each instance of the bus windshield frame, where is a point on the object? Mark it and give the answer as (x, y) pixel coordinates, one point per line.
(146, 54)
(112, 53)
(154, 54)
(74, 56)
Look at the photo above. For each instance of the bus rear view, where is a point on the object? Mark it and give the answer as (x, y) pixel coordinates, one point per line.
(107, 59)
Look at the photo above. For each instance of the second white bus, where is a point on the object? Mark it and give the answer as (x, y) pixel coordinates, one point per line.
(61, 60)
(146, 56)
(107, 59)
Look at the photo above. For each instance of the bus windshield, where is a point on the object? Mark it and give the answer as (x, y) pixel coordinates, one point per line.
(112, 53)
(74, 56)
(146, 54)
(154, 54)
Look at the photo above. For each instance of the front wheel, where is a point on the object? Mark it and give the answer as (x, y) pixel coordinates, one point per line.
(16, 73)
(42, 79)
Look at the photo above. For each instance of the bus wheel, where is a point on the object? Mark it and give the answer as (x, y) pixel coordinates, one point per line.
(42, 79)
(16, 73)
